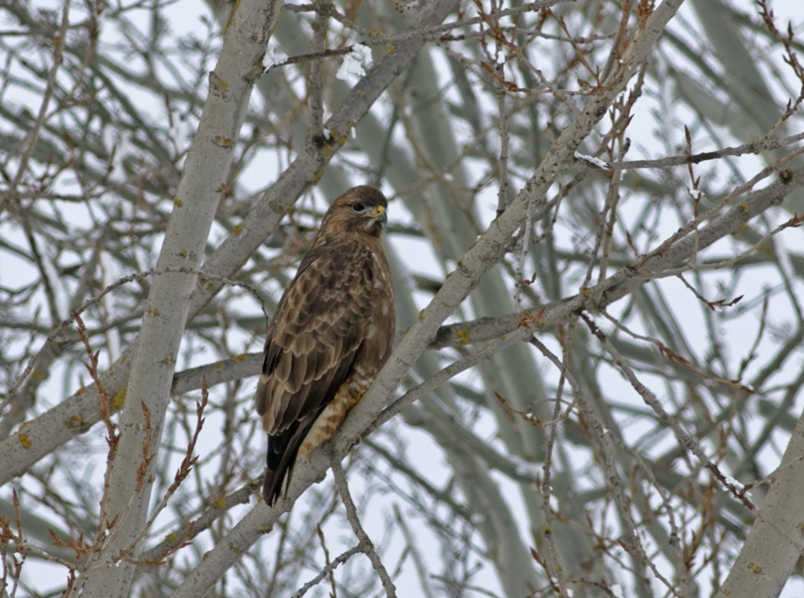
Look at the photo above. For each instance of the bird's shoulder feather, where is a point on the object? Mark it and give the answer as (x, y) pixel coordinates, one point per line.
(317, 329)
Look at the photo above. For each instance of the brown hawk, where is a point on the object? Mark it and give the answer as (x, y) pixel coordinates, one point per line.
(331, 333)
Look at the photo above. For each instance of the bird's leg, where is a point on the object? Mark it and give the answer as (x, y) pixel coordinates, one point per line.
(357, 399)
(329, 420)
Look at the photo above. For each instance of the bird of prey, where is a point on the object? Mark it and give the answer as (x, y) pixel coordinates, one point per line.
(330, 335)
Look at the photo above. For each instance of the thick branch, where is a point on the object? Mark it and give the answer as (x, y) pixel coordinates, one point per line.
(196, 202)
(78, 413)
(486, 251)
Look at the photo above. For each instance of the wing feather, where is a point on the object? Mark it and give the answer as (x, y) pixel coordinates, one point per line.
(319, 325)
(333, 329)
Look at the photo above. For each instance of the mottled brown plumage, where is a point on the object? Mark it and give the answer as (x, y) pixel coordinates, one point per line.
(330, 335)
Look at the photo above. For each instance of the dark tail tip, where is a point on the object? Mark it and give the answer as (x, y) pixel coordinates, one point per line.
(272, 486)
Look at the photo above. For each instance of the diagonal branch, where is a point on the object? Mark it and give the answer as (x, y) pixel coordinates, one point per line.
(196, 202)
(77, 413)
(485, 252)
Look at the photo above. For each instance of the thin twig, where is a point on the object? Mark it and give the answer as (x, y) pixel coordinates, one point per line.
(365, 546)
(328, 570)
(613, 478)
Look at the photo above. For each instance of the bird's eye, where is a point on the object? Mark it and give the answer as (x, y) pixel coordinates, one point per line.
(358, 207)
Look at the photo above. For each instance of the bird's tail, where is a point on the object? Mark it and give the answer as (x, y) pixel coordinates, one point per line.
(272, 484)
(282, 452)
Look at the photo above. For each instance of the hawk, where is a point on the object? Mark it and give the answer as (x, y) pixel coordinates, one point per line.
(330, 335)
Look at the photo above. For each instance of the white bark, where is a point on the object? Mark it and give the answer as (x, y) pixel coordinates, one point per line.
(488, 249)
(619, 444)
(776, 541)
(78, 413)
(149, 384)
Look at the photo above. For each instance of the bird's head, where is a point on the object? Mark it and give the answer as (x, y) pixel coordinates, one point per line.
(359, 210)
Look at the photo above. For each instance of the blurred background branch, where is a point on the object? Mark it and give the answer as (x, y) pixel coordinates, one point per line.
(544, 160)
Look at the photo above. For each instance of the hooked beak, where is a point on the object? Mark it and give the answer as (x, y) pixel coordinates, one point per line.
(378, 214)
